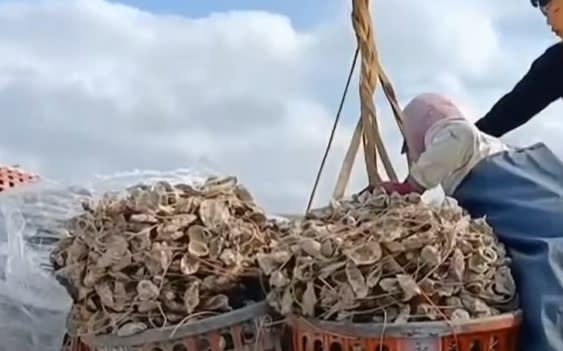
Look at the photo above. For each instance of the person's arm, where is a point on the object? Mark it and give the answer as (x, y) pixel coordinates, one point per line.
(539, 87)
(447, 150)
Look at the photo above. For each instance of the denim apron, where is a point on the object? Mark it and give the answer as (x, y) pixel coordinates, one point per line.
(521, 194)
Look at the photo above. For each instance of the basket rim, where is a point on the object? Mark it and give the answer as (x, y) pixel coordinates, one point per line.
(415, 329)
(165, 334)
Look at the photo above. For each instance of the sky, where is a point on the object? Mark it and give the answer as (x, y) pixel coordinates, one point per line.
(246, 88)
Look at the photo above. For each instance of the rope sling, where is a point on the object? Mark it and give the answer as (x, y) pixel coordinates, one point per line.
(367, 129)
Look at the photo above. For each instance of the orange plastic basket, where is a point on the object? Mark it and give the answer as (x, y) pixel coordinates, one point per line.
(11, 177)
(497, 333)
(245, 329)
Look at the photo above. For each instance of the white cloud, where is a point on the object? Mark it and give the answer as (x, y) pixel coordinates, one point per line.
(88, 86)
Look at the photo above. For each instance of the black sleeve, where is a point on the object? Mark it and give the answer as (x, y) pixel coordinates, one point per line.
(539, 87)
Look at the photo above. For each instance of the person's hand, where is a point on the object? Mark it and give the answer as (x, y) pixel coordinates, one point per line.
(399, 188)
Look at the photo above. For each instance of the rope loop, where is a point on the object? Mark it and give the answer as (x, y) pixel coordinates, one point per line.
(367, 129)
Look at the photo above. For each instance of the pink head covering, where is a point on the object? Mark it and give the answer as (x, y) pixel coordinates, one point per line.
(420, 114)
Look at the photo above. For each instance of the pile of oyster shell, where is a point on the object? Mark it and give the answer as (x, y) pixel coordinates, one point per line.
(388, 258)
(166, 254)
(162, 254)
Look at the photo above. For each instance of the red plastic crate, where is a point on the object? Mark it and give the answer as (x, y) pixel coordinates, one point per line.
(12, 176)
(245, 329)
(497, 333)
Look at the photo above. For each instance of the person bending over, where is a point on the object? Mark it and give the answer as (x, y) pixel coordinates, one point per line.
(519, 190)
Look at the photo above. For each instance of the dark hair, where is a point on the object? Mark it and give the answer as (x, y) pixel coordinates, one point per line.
(536, 3)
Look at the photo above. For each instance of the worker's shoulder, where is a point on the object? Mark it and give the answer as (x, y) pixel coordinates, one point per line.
(461, 124)
(555, 49)
(453, 128)
(552, 56)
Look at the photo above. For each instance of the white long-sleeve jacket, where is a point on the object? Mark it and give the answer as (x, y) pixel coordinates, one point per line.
(452, 148)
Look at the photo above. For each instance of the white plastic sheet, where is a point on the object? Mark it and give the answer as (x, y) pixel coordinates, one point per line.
(33, 305)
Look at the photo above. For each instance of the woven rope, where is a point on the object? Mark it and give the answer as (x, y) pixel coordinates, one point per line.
(367, 129)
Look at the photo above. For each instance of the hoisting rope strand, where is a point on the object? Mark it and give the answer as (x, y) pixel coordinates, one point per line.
(333, 131)
(367, 130)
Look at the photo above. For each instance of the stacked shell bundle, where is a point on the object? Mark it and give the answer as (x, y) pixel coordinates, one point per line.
(162, 255)
(381, 258)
